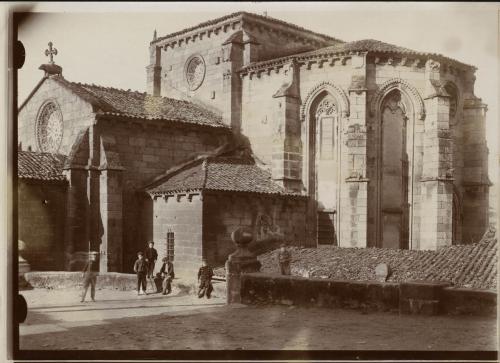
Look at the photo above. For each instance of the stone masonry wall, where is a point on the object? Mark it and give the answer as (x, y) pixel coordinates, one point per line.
(181, 214)
(145, 153)
(259, 126)
(271, 218)
(173, 62)
(76, 113)
(41, 224)
(265, 44)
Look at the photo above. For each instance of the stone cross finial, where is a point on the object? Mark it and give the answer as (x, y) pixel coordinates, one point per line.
(51, 52)
(154, 35)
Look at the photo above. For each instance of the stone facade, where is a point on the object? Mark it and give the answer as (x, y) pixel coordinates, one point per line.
(438, 107)
(182, 215)
(41, 211)
(383, 146)
(109, 159)
(271, 218)
(202, 223)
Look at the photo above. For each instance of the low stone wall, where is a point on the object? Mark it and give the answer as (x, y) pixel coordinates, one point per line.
(469, 301)
(109, 280)
(67, 279)
(261, 288)
(418, 297)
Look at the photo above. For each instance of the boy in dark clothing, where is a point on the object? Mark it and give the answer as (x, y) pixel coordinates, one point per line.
(90, 277)
(141, 269)
(167, 273)
(151, 255)
(205, 274)
(284, 258)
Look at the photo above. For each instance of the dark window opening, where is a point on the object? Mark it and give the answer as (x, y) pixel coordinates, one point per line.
(170, 245)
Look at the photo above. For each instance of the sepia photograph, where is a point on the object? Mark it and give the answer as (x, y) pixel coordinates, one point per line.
(233, 181)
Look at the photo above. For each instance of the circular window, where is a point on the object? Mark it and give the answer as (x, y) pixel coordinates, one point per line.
(49, 127)
(195, 72)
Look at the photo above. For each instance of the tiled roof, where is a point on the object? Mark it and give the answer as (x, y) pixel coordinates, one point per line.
(369, 45)
(249, 16)
(40, 166)
(468, 266)
(219, 174)
(366, 45)
(118, 102)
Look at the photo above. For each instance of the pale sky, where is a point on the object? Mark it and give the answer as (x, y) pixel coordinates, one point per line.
(107, 44)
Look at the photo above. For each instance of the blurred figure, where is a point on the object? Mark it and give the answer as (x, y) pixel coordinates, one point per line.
(284, 258)
(205, 274)
(90, 277)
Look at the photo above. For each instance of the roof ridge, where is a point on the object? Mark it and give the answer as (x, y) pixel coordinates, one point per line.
(363, 46)
(174, 170)
(92, 85)
(204, 167)
(39, 153)
(243, 14)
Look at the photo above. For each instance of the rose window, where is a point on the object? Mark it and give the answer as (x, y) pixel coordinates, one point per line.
(195, 72)
(49, 128)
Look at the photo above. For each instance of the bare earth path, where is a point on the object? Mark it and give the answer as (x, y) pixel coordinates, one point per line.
(122, 320)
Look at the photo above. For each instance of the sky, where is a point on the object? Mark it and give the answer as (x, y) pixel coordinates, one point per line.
(107, 43)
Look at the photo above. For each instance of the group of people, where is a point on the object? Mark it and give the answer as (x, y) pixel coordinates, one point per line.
(144, 268)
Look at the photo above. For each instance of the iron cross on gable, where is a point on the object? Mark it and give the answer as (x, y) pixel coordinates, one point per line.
(51, 52)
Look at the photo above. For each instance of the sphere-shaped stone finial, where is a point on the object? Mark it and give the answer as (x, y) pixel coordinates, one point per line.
(242, 236)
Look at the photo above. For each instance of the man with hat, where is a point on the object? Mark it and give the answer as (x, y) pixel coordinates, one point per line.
(151, 255)
(167, 273)
(141, 268)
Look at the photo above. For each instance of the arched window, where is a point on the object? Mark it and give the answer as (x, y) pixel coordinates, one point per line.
(327, 167)
(326, 120)
(394, 173)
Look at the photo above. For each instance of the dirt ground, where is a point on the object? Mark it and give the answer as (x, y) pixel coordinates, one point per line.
(122, 320)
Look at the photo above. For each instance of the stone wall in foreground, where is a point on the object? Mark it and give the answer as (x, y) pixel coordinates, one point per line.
(423, 298)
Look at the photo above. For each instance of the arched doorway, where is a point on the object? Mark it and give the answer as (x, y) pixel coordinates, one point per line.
(324, 158)
(394, 173)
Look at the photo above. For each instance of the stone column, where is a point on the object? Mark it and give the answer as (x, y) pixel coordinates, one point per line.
(475, 172)
(76, 233)
(239, 262)
(287, 144)
(93, 198)
(110, 208)
(251, 48)
(232, 60)
(153, 71)
(437, 180)
(353, 212)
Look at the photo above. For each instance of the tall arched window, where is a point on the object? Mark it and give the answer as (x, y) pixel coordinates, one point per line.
(327, 168)
(394, 173)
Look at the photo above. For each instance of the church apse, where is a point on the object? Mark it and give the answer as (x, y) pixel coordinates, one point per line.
(363, 143)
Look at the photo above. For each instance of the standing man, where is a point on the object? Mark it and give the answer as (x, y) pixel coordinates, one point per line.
(90, 277)
(284, 258)
(151, 256)
(205, 274)
(167, 273)
(141, 269)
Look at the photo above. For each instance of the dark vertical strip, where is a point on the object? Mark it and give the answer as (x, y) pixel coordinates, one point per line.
(13, 339)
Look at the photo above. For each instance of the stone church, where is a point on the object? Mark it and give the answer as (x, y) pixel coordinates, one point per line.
(252, 121)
